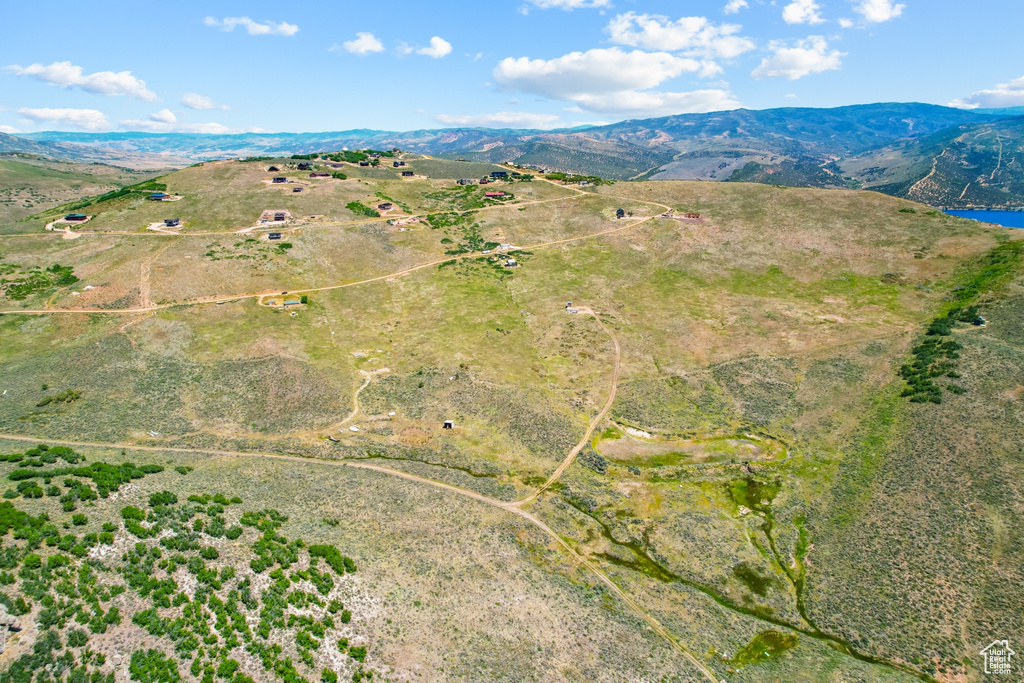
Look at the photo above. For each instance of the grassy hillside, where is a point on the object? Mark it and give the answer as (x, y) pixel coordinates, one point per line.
(757, 483)
(29, 185)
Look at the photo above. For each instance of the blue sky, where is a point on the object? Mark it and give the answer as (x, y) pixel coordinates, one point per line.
(400, 65)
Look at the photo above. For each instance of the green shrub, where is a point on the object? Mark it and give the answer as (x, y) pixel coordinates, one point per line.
(162, 498)
(152, 666)
(79, 519)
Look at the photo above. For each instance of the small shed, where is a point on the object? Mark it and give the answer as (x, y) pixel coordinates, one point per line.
(448, 424)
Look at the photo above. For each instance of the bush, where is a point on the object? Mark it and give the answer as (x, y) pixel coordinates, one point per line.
(358, 653)
(152, 666)
(209, 553)
(79, 519)
(162, 498)
(131, 512)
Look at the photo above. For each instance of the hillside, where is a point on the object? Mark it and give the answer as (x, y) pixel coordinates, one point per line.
(762, 442)
(886, 146)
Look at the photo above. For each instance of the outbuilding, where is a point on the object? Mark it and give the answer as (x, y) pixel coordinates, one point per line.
(279, 216)
(172, 222)
(158, 196)
(385, 206)
(448, 424)
(75, 217)
(274, 236)
(408, 174)
(280, 179)
(620, 213)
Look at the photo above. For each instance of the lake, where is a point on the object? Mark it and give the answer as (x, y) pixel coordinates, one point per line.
(1007, 219)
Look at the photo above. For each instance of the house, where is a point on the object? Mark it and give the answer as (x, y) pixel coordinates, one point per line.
(273, 169)
(484, 181)
(572, 311)
(499, 174)
(398, 164)
(620, 213)
(172, 222)
(320, 175)
(364, 163)
(158, 196)
(385, 206)
(305, 166)
(448, 424)
(75, 217)
(494, 195)
(465, 181)
(274, 236)
(691, 215)
(375, 155)
(408, 174)
(510, 263)
(296, 189)
(279, 216)
(292, 302)
(997, 657)
(280, 179)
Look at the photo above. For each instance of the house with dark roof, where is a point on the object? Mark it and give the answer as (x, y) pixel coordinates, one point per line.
(620, 213)
(172, 222)
(75, 217)
(280, 179)
(408, 174)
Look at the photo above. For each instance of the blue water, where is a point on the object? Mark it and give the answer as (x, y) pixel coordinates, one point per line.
(1007, 219)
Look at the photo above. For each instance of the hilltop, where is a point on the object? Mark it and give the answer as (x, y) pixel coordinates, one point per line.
(698, 431)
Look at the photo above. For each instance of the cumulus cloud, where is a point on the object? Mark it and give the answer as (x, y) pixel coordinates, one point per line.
(654, 103)
(364, 43)
(9, 130)
(877, 11)
(164, 116)
(502, 119)
(68, 75)
(594, 71)
(611, 81)
(254, 28)
(570, 4)
(195, 101)
(156, 126)
(735, 6)
(1003, 95)
(439, 47)
(802, 12)
(809, 56)
(83, 119)
(692, 36)
(845, 23)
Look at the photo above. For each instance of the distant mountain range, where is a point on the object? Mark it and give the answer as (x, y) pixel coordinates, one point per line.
(940, 155)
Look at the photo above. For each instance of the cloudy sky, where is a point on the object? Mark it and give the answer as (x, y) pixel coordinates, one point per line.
(400, 65)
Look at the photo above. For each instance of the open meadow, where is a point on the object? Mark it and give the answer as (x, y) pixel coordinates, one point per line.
(710, 448)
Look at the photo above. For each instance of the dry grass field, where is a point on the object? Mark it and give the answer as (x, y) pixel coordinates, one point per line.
(756, 485)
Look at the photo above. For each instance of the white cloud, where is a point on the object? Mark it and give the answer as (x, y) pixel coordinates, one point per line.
(364, 44)
(846, 23)
(735, 6)
(164, 116)
(195, 101)
(594, 71)
(67, 75)
(439, 47)
(809, 56)
(254, 28)
(612, 81)
(502, 119)
(1003, 95)
(156, 126)
(654, 103)
(570, 4)
(802, 12)
(692, 36)
(877, 11)
(82, 119)
(9, 130)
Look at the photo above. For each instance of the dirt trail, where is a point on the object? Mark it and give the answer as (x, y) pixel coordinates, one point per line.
(513, 508)
(593, 423)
